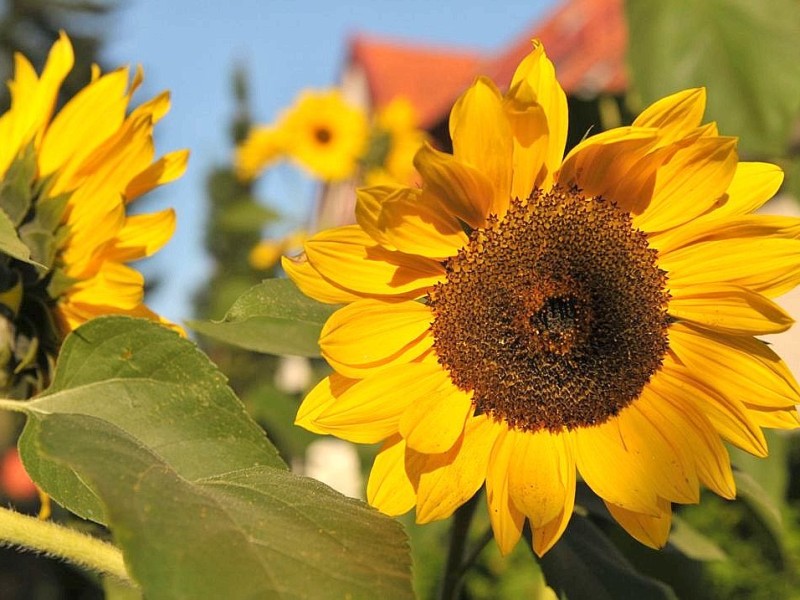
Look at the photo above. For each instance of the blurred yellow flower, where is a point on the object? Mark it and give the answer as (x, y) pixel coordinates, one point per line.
(267, 253)
(395, 140)
(325, 135)
(263, 146)
(84, 166)
(525, 316)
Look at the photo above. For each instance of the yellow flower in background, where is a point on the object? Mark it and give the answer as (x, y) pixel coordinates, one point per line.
(263, 147)
(523, 318)
(395, 140)
(83, 166)
(267, 253)
(325, 135)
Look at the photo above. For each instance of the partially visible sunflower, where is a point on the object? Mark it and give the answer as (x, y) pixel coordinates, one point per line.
(325, 134)
(66, 182)
(521, 318)
(267, 253)
(394, 141)
(263, 146)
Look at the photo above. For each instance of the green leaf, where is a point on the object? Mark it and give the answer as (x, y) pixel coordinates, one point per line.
(140, 431)
(158, 388)
(772, 472)
(257, 532)
(584, 564)
(744, 52)
(749, 491)
(16, 193)
(245, 216)
(10, 243)
(273, 317)
(693, 544)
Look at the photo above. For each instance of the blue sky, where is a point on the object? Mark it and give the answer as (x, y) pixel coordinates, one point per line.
(191, 46)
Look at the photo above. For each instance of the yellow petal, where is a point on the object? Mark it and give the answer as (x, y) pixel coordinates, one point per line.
(417, 223)
(350, 258)
(536, 471)
(167, 168)
(768, 266)
(389, 489)
(481, 138)
(752, 185)
(694, 440)
(466, 192)
(616, 165)
(312, 284)
(325, 393)
(786, 418)
(535, 96)
(656, 444)
(434, 422)
(409, 220)
(369, 201)
(507, 521)
(690, 183)
(447, 480)
(33, 99)
(709, 228)
(369, 335)
(728, 415)
(675, 115)
(370, 410)
(615, 470)
(68, 141)
(115, 285)
(652, 531)
(736, 366)
(728, 308)
(546, 536)
(142, 235)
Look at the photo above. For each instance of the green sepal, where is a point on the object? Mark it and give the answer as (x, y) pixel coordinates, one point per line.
(16, 189)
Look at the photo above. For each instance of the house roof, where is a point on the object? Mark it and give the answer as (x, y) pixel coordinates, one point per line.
(585, 39)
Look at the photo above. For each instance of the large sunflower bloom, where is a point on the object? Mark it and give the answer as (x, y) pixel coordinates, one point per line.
(521, 318)
(87, 163)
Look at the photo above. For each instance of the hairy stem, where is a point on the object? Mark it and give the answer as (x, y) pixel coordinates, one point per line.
(85, 551)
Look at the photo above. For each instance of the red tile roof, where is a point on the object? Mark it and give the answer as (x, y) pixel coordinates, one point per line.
(585, 39)
(429, 77)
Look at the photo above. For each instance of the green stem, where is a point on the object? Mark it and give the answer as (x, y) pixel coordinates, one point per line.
(453, 571)
(13, 405)
(55, 540)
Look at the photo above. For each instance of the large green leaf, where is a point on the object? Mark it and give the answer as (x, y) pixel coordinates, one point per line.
(584, 564)
(258, 532)
(140, 431)
(158, 388)
(273, 317)
(744, 52)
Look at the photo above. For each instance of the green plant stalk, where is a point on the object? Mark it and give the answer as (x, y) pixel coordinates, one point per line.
(83, 550)
(454, 568)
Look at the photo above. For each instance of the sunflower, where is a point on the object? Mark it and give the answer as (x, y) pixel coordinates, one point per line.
(67, 180)
(394, 141)
(324, 134)
(263, 146)
(522, 319)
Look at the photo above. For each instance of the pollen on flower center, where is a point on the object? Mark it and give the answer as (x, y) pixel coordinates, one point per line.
(554, 316)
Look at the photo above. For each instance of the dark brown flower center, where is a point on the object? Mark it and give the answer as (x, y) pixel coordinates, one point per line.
(322, 135)
(555, 316)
